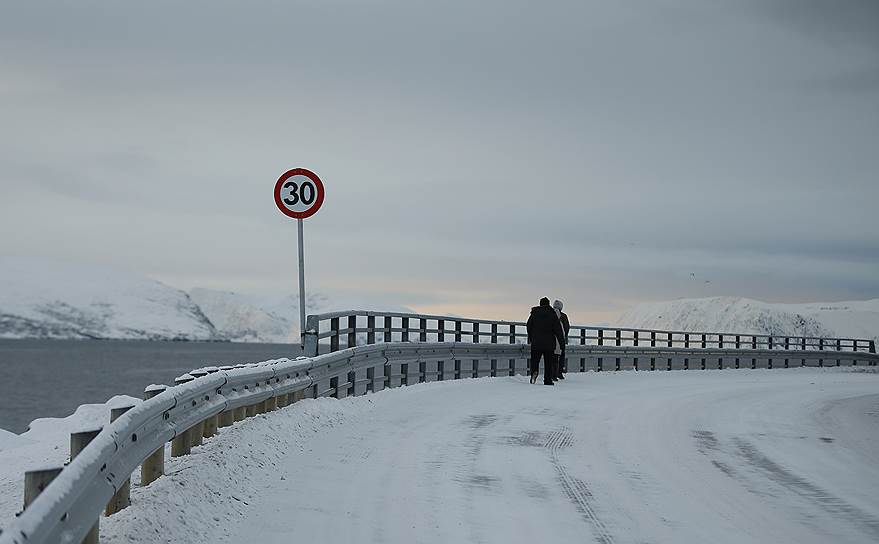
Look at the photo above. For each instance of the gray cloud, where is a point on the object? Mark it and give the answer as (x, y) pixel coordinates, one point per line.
(474, 154)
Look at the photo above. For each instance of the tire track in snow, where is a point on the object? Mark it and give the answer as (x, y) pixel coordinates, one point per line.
(806, 489)
(575, 489)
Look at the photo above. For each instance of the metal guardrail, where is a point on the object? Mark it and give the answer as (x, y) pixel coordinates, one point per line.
(68, 507)
(351, 328)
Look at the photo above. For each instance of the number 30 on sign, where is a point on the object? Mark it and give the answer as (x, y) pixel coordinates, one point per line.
(299, 193)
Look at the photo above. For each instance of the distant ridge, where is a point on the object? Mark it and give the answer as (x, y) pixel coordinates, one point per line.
(47, 299)
(253, 318)
(854, 319)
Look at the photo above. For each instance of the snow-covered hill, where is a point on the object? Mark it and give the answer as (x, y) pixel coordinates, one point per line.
(252, 318)
(46, 299)
(858, 319)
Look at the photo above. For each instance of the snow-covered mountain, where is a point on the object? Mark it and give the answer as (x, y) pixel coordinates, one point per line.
(253, 318)
(47, 299)
(857, 319)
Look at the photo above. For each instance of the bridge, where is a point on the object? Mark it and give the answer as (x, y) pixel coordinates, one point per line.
(352, 353)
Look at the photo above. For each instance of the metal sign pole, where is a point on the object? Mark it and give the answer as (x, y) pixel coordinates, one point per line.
(299, 193)
(301, 286)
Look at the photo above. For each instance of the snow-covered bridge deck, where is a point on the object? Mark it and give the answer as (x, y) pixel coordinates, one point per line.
(716, 456)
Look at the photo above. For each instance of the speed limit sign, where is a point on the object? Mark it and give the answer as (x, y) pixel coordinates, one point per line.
(299, 193)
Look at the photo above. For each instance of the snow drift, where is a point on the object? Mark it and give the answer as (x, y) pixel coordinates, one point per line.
(46, 443)
(858, 319)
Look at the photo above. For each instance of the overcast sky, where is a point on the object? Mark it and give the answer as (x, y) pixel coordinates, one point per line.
(476, 155)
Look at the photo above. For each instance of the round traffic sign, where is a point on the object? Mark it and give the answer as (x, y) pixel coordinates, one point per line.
(299, 193)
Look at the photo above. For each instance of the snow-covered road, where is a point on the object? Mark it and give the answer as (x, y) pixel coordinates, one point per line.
(698, 456)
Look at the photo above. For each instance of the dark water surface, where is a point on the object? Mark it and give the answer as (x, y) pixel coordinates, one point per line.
(50, 378)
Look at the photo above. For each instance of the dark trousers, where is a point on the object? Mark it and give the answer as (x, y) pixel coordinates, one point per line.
(549, 363)
(563, 363)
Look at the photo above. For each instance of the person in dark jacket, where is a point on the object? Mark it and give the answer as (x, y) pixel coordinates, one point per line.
(544, 334)
(566, 328)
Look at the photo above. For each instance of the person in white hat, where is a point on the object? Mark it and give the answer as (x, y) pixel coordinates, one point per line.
(562, 365)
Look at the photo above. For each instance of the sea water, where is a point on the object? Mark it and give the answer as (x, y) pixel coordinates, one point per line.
(50, 378)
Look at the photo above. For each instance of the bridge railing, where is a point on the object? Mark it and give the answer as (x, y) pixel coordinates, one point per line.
(65, 504)
(334, 331)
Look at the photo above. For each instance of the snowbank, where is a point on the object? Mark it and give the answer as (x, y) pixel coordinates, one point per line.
(47, 442)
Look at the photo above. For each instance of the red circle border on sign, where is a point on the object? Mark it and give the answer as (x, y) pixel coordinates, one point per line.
(318, 201)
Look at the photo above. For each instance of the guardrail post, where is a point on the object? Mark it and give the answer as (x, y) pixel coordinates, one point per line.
(78, 442)
(511, 330)
(154, 465)
(703, 341)
(352, 331)
(872, 346)
(370, 379)
(670, 341)
(582, 343)
(389, 378)
(121, 499)
(370, 329)
(312, 326)
(619, 337)
(600, 337)
(686, 340)
(35, 481)
(422, 330)
(387, 328)
(652, 339)
(334, 334)
(196, 434)
(493, 339)
(441, 327)
(404, 325)
(227, 418)
(476, 364)
(636, 338)
(738, 342)
(180, 443)
(719, 341)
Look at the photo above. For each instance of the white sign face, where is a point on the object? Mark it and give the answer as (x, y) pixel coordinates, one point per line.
(299, 193)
